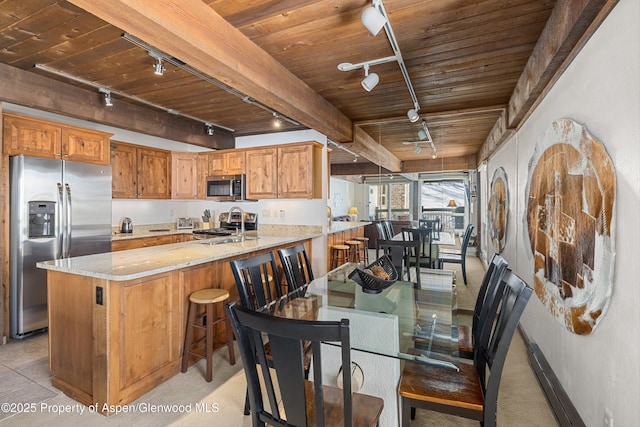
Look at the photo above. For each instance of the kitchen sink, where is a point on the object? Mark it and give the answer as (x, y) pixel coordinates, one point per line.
(226, 239)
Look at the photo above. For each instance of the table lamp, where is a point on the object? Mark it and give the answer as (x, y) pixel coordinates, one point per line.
(353, 213)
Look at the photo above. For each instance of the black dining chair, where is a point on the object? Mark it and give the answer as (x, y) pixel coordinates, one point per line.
(382, 235)
(460, 258)
(258, 284)
(489, 290)
(468, 231)
(296, 265)
(388, 227)
(254, 277)
(278, 391)
(428, 251)
(403, 256)
(435, 225)
(471, 392)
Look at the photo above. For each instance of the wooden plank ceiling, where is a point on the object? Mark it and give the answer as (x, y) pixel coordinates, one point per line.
(464, 60)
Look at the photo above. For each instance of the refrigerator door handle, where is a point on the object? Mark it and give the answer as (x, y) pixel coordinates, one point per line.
(67, 249)
(60, 239)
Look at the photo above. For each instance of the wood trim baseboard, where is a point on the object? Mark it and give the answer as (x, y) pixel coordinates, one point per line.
(562, 407)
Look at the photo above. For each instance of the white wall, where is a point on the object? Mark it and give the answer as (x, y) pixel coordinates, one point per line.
(601, 90)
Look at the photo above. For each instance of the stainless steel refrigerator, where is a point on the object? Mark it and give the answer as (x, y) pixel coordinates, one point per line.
(59, 209)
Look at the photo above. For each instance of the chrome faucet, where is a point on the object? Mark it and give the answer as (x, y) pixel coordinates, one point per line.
(242, 230)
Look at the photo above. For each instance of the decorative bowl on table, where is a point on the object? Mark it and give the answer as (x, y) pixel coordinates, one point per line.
(371, 282)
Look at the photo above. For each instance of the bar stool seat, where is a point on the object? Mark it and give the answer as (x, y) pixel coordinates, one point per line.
(339, 255)
(365, 249)
(354, 250)
(206, 321)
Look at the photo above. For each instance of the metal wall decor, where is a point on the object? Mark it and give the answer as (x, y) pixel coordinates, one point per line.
(569, 224)
(498, 210)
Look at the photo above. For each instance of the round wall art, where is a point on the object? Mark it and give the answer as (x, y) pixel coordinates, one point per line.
(498, 209)
(570, 223)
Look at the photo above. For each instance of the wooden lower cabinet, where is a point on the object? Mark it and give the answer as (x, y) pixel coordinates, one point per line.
(141, 242)
(123, 338)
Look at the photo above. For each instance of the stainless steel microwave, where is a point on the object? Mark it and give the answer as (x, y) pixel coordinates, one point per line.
(226, 187)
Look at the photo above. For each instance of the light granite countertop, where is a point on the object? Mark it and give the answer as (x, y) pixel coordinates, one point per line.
(137, 263)
(338, 226)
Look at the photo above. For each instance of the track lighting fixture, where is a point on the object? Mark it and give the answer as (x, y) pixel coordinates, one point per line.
(413, 115)
(342, 147)
(417, 149)
(423, 134)
(370, 81)
(107, 97)
(209, 129)
(373, 20)
(276, 120)
(158, 67)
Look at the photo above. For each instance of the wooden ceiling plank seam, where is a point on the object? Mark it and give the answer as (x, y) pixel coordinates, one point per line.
(193, 32)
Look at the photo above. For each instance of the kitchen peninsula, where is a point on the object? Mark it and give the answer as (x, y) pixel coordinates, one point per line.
(117, 320)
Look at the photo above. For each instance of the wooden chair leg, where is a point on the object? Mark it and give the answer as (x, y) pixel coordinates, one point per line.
(232, 353)
(209, 344)
(188, 340)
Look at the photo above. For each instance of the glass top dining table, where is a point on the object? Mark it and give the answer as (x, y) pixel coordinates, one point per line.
(402, 321)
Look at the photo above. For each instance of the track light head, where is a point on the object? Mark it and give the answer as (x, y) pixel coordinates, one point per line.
(413, 115)
(373, 20)
(422, 135)
(417, 149)
(209, 129)
(158, 67)
(107, 97)
(370, 80)
(276, 120)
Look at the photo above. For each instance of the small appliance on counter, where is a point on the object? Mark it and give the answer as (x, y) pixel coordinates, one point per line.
(185, 224)
(126, 226)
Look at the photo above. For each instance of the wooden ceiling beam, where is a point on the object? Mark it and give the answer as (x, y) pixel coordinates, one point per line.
(569, 27)
(367, 147)
(35, 91)
(194, 33)
(446, 164)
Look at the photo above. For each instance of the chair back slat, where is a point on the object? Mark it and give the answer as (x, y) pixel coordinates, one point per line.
(253, 276)
(428, 253)
(286, 339)
(465, 240)
(401, 253)
(296, 265)
(491, 355)
(487, 292)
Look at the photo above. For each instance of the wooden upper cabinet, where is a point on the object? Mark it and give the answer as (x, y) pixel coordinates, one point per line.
(184, 175)
(124, 171)
(227, 162)
(154, 173)
(43, 138)
(300, 170)
(262, 173)
(140, 172)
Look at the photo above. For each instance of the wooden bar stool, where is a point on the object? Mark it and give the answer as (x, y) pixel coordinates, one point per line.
(355, 255)
(365, 249)
(339, 255)
(206, 321)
